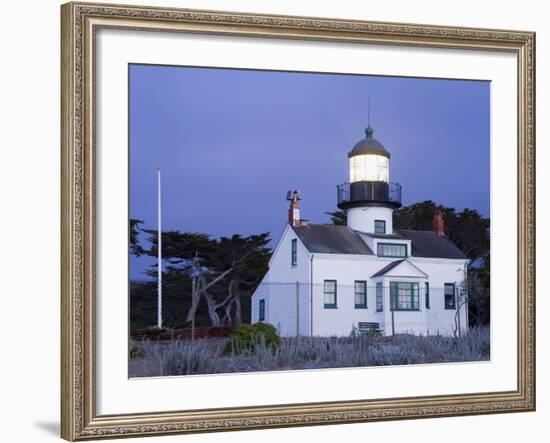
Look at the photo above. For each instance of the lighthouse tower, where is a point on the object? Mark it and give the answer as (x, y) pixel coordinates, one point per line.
(369, 198)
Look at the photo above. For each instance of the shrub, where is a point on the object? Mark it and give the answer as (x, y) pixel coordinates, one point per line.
(135, 350)
(392, 354)
(186, 359)
(356, 332)
(247, 337)
(174, 357)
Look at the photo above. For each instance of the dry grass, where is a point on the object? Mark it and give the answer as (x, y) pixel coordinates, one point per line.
(207, 357)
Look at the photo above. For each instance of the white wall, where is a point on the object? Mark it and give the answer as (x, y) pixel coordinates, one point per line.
(362, 219)
(280, 266)
(29, 110)
(441, 273)
(346, 269)
(285, 289)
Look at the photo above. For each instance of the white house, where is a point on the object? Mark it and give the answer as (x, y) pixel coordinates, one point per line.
(329, 280)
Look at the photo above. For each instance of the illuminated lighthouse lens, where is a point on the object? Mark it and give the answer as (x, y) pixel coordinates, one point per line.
(368, 168)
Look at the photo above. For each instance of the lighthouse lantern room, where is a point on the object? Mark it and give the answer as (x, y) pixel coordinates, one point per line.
(369, 198)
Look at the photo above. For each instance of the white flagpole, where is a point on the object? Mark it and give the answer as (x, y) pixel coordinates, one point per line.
(159, 258)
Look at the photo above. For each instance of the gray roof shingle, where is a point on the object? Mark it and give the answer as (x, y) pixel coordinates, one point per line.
(387, 268)
(332, 239)
(429, 244)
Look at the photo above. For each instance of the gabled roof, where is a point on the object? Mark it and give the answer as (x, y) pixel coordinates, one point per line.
(387, 268)
(332, 239)
(401, 268)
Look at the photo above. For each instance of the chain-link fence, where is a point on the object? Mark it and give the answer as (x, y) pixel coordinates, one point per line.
(334, 309)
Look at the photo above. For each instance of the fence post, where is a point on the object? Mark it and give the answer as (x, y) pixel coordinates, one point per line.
(193, 305)
(392, 301)
(297, 309)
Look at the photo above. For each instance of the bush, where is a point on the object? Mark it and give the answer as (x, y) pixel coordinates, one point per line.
(186, 359)
(247, 338)
(356, 332)
(135, 350)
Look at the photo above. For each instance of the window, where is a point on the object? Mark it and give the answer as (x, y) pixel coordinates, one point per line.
(404, 296)
(450, 302)
(379, 226)
(261, 316)
(396, 250)
(294, 252)
(379, 297)
(427, 295)
(360, 294)
(330, 294)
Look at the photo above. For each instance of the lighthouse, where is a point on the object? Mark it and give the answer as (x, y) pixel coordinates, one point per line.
(366, 276)
(369, 198)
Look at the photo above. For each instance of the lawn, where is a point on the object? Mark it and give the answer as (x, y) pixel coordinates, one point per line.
(214, 356)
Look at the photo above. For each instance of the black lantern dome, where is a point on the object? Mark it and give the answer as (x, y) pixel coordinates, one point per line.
(369, 183)
(369, 145)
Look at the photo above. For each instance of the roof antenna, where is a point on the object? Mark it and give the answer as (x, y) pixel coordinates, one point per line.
(369, 108)
(369, 130)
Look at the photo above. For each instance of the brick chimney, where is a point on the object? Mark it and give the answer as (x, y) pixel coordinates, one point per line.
(437, 223)
(294, 219)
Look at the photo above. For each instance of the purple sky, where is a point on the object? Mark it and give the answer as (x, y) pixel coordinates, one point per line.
(230, 144)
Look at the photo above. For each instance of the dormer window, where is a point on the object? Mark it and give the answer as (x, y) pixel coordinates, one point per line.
(393, 250)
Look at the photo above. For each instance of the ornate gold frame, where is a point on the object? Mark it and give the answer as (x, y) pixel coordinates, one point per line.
(79, 23)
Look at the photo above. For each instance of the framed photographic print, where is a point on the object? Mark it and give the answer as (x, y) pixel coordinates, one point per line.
(282, 221)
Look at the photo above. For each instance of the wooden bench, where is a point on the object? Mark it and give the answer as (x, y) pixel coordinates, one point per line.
(367, 326)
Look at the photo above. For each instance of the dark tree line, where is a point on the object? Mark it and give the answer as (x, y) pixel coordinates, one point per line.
(206, 281)
(468, 230)
(210, 281)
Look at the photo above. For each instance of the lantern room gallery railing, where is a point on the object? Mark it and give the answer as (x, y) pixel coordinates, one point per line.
(357, 193)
